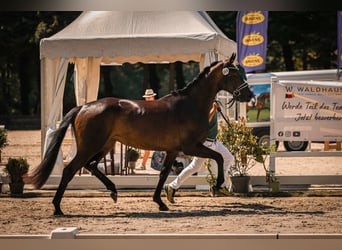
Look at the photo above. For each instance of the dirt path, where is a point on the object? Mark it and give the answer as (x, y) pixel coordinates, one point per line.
(220, 215)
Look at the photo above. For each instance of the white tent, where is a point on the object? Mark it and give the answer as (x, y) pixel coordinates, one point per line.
(105, 37)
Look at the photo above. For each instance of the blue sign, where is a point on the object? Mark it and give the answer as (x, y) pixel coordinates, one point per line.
(252, 39)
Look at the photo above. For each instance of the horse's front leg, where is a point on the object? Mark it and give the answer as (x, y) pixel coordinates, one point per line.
(92, 167)
(204, 152)
(164, 173)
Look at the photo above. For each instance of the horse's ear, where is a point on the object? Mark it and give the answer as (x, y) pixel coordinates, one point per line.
(232, 58)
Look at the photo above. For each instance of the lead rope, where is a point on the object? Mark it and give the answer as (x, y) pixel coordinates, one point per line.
(230, 103)
(220, 110)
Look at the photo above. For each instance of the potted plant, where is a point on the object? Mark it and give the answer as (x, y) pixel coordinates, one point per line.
(132, 155)
(3, 139)
(240, 141)
(272, 180)
(16, 169)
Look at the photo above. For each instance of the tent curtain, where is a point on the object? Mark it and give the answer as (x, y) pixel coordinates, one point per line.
(53, 75)
(87, 79)
(55, 113)
(208, 58)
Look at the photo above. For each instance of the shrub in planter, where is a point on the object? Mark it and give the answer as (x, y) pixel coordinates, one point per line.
(240, 141)
(16, 169)
(132, 155)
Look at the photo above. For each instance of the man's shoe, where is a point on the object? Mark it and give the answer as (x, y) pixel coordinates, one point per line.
(170, 193)
(140, 167)
(219, 192)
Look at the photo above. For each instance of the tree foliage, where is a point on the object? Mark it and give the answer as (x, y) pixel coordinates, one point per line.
(296, 41)
(20, 33)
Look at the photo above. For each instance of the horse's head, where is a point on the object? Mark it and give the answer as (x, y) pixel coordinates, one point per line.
(232, 78)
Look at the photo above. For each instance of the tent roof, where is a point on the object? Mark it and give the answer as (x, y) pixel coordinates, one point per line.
(154, 36)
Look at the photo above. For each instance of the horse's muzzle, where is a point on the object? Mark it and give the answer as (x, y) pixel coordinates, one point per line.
(245, 96)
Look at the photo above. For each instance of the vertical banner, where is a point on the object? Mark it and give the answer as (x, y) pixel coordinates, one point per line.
(252, 39)
(339, 39)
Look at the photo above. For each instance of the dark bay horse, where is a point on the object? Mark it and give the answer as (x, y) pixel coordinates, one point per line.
(179, 118)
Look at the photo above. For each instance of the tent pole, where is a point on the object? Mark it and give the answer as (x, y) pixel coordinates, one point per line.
(43, 116)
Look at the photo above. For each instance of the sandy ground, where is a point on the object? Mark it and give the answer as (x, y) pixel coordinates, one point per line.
(219, 215)
(198, 213)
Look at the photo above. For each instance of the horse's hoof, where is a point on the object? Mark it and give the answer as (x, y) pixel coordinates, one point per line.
(163, 208)
(58, 213)
(114, 196)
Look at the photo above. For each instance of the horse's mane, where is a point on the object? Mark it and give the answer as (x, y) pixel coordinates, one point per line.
(199, 77)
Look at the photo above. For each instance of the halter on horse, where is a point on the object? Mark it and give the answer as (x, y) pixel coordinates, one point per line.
(179, 118)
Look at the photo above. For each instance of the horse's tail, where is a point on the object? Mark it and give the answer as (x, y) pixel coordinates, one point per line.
(41, 173)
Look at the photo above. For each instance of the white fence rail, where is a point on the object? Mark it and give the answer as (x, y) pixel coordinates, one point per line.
(91, 182)
(70, 237)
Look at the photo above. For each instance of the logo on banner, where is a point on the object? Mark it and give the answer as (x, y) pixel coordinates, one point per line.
(253, 18)
(296, 133)
(252, 60)
(253, 39)
(289, 95)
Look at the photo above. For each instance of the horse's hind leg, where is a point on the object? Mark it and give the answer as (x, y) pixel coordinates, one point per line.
(68, 173)
(258, 114)
(170, 157)
(92, 167)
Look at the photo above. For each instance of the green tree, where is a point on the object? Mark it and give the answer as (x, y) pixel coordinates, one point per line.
(302, 40)
(20, 33)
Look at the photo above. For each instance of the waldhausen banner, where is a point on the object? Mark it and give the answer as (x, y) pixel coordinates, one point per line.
(252, 39)
(307, 111)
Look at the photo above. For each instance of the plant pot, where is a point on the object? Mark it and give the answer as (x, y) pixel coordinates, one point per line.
(131, 167)
(240, 184)
(116, 169)
(131, 164)
(17, 188)
(274, 186)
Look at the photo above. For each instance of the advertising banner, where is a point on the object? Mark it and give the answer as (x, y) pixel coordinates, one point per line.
(252, 39)
(339, 39)
(307, 111)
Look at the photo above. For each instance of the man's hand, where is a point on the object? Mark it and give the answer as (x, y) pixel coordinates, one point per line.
(216, 105)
